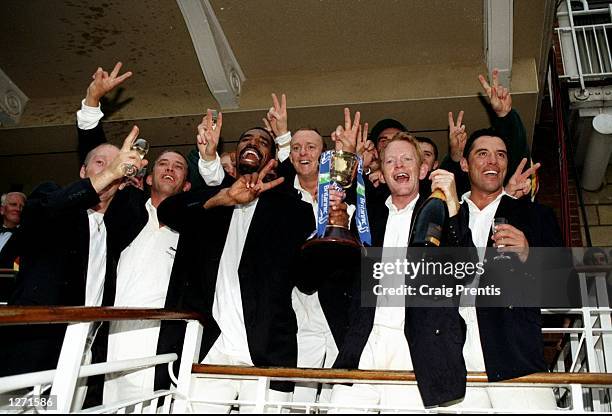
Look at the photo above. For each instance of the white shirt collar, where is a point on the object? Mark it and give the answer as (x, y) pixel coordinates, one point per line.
(393, 209)
(306, 196)
(466, 198)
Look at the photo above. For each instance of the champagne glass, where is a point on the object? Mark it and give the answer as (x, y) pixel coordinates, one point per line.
(214, 114)
(499, 221)
(140, 146)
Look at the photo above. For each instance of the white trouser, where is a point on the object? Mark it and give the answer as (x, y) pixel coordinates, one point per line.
(527, 398)
(225, 390)
(386, 349)
(316, 345)
(129, 340)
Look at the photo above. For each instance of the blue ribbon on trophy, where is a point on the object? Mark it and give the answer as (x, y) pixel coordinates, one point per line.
(338, 164)
(363, 224)
(323, 192)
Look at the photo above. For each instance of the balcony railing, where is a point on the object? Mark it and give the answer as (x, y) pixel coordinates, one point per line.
(582, 377)
(585, 48)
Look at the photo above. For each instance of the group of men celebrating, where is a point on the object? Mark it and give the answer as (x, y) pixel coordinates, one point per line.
(227, 244)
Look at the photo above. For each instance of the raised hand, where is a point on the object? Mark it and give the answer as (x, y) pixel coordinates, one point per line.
(375, 177)
(457, 136)
(277, 115)
(499, 96)
(445, 181)
(103, 83)
(345, 137)
(366, 148)
(519, 184)
(246, 188)
(208, 135)
(116, 168)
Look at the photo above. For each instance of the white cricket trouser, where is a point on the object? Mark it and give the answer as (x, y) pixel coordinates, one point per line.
(224, 390)
(386, 349)
(526, 398)
(316, 345)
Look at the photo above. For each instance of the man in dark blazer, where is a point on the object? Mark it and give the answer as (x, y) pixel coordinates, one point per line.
(11, 205)
(427, 340)
(240, 264)
(505, 341)
(55, 232)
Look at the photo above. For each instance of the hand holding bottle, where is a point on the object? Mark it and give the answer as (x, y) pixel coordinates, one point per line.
(445, 182)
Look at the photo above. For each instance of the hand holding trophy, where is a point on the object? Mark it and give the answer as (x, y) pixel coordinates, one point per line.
(338, 169)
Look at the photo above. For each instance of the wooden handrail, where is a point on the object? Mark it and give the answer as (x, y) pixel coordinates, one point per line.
(27, 315)
(594, 269)
(378, 375)
(8, 273)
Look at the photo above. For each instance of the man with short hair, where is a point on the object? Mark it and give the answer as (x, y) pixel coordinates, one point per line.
(144, 256)
(140, 254)
(11, 205)
(63, 251)
(505, 342)
(228, 161)
(429, 151)
(392, 336)
(240, 269)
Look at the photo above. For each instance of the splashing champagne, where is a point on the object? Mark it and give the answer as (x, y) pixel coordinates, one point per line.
(141, 146)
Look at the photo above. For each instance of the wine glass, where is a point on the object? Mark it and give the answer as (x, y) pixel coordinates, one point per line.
(214, 114)
(140, 146)
(499, 221)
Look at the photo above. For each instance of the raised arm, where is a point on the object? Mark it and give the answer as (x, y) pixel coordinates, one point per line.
(89, 129)
(207, 141)
(507, 120)
(276, 122)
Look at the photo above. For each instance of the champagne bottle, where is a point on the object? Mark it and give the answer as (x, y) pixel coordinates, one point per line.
(429, 221)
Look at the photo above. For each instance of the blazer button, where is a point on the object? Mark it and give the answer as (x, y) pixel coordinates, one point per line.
(437, 332)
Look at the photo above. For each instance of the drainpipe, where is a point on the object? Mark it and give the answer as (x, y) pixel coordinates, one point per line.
(598, 153)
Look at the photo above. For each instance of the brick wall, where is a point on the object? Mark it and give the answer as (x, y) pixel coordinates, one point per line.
(545, 151)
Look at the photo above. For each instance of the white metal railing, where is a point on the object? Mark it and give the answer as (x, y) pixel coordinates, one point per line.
(588, 351)
(62, 384)
(585, 49)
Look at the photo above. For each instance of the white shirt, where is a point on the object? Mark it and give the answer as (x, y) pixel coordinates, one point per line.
(143, 272)
(213, 173)
(481, 221)
(227, 306)
(89, 117)
(4, 237)
(480, 225)
(96, 263)
(390, 310)
(143, 275)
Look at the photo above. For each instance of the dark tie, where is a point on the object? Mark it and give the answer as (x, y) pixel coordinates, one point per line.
(4, 229)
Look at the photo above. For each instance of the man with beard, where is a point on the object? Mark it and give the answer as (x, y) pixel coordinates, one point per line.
(239, 262)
